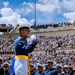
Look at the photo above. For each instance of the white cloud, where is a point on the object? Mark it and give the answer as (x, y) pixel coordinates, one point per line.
(70, 16)
(44, 1)
(64, 7)
(25, 8)
(11, 17)
(46, 10)
(56, 6)
(6, 12)
(32, 21)
(69, 12)
(68, 5)
(47, 6)
(31, 5)
(5, 3)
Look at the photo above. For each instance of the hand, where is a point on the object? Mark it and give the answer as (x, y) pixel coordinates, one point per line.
(33, 37)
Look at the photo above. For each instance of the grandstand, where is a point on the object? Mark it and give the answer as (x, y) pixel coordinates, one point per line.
(51, 28)
(63, 30)
(4, 28)
(55, 43)
(47, 30)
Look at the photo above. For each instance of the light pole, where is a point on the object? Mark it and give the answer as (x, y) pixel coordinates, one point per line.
(35, 14)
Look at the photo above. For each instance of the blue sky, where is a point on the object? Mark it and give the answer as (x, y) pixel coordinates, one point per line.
(47, 11)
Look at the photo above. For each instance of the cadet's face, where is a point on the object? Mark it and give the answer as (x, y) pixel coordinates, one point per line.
(39, 69)
(50, 65)
(6, 68)
(69, 71)
(31, 68)
(25, 33)
(58, 69)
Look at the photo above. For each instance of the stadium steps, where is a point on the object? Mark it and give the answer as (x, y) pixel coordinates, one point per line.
(33, 30)
(59, 28)
(53, 29)
(69, 27)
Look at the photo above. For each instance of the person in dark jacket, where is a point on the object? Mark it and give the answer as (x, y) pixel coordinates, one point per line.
(6, 68)
(32, 71)
(1, 68)
(22, 49)
(51, 70)
(40, 70)
(70, 70)
(58, 69)
(1, 71)
(65, 70)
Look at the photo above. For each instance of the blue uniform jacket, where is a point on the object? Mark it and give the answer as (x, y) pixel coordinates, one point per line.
(51, 72)
(37, 73)
(59, 73)
(22, 47)
(32, 72)
(66, 74)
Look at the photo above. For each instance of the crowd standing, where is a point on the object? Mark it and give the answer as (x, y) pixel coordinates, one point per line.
(51, 25)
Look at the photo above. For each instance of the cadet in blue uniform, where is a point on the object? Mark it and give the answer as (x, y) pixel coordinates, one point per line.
(22, 49)
(70, 70)
(58, 69)
(65, 69)
(21, 45)
(32, 71)
(51, 70)
(40, 70)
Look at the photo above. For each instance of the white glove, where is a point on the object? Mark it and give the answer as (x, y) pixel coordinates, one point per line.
(33, 37)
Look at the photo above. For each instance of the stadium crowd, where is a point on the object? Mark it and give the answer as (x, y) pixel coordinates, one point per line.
(6, 45)
(47, 43)
(43, 63)
(58, 42)
(61, 63)
(51, 25)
